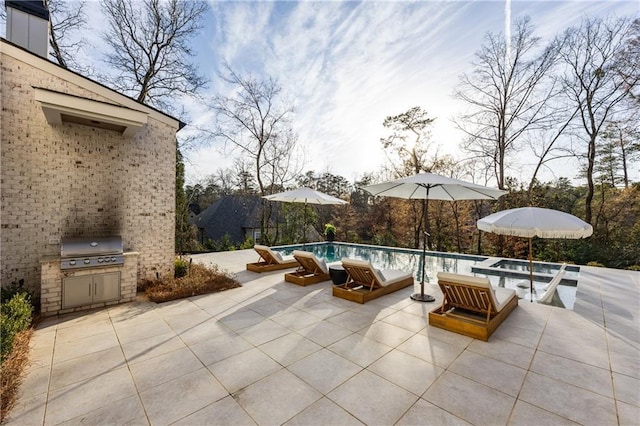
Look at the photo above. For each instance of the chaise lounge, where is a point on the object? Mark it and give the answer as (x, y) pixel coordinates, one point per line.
(270, 261)
(312, 270)
(365, 283)
(470, 306)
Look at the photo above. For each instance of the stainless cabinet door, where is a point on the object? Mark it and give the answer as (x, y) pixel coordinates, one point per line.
(77, 291)
(106, 287)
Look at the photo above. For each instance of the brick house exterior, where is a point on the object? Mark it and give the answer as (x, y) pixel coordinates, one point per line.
(79, 159)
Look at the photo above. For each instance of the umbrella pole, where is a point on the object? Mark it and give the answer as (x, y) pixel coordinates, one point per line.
(530, 272)
(304, 225)
(421, 297)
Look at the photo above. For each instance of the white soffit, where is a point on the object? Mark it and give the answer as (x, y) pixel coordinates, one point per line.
(61, 108)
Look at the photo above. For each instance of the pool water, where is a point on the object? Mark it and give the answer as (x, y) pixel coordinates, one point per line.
(411, 260)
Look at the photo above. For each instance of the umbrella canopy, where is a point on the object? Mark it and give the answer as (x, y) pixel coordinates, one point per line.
(532, 222)
(430, 186)
(306, 196)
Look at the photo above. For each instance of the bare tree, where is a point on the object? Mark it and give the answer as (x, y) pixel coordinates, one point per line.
(408, 146)
(507, 95)
(255, 121)
(68, 19)
(593, 82)
(150, 50)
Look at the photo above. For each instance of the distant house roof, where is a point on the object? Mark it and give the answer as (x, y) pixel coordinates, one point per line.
(231, 215)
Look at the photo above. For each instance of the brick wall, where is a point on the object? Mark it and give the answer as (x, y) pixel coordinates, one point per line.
(74, 180)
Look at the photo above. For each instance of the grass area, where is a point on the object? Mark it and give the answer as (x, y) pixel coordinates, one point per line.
(13, 367)
(197, 279)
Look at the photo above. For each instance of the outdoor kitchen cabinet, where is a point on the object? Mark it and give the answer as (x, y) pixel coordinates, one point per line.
(90, 289)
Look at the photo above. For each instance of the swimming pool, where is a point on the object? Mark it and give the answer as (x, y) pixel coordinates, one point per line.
(501, 275)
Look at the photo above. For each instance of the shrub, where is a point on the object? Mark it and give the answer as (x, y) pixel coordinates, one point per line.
(594, 263)
(634, 268)
(15, 316)
(247, 244)
(180, 267)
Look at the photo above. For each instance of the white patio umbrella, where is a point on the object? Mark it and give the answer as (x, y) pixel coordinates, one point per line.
(306, 196)
(429, 186)
(532, 222)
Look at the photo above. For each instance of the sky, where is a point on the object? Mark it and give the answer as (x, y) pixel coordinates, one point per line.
(348, 65)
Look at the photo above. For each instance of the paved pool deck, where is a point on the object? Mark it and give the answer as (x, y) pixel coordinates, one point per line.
(274, 353)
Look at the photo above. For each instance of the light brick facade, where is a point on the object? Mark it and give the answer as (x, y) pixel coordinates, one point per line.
(74, 180)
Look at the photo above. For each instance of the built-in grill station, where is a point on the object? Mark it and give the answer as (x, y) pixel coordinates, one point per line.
(90, 252)
(90, 272)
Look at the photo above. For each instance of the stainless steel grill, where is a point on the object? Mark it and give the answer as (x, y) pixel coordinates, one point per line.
(90, 252)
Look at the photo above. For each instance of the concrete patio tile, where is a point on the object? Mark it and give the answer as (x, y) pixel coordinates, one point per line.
(41, 357)
(419, 309)
(264, 332)
(243, 369)
(388, 334)
(241, 319)
(223, 308)
(209, 329)
(65, 351)
(36, 379)
(85, 367)
(530, 316)
(180, 397)
(163, 368)
(29, 409)
(127, 411)
(470, 400)
(628, 414)
(75, 332)
(324, 370)
(272, 308)
(377, 312)
(324, 310)
(296, 320)
(268, 407)
(407, 321)
(207, 300)
(431, 350)
(133, 333)
(359, 349)
(81, 318)
(627, 389)
(136, 309)
(424, 412)
(183, 322)
(568, 401)
(406, 371)
(587, 350)
(352, 320)
(372, 399)
(289, 348)
(218, 348)
(223, 412)
(325, 333)
(446, 336)
(324, 412)
(83, 397)
(142, 350)
(575, 373)
(504, 351)
(525, 414)
(134, 318)
(176, 307)
(43, 338)
(513, 333)
(489, 372)
(625, 356)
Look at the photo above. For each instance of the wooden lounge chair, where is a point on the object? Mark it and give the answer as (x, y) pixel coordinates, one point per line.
(312, 270)
(471, 306)
(270, 261)
(365, 283)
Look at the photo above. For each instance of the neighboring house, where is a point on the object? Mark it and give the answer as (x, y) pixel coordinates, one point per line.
(235, 215)
(78, 159)
(238, 217)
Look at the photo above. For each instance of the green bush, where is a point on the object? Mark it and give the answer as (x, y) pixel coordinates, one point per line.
(634, 268)
(594, 263)
(180, 267)
(15, 316)
(247, 244)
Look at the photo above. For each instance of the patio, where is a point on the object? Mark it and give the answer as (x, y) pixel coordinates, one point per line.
(275, 353)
